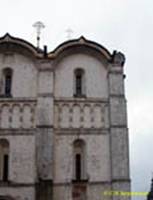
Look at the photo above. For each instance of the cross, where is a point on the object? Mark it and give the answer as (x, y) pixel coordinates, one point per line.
(38, 25)
(69, 32)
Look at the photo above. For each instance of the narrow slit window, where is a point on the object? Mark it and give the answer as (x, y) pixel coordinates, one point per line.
(4, 160)
(79, 160)
(5, 167)
(7, 82)
(79, 82)
(78, 166)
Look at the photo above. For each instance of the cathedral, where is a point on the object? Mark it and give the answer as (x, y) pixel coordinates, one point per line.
(63, 122)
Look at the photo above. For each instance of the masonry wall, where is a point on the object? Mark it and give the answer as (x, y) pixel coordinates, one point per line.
(95, 75)
(118, 131)
(17, 125)
(24, 74)
(97, 157)
(82, 118)
(43, 119)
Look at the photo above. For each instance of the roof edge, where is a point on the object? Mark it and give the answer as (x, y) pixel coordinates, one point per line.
(7, 38)
(81, 41)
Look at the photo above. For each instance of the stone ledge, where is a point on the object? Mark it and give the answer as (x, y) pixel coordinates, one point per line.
(89, 183)
(17, 99)
(13, 184)
(19, 131)
(84, 131)
(121, 180)
(85, 100)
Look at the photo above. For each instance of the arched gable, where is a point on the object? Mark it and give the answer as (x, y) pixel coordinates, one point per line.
(80, 44)
(9, 43)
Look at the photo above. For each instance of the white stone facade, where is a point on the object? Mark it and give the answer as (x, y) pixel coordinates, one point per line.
(49, 131)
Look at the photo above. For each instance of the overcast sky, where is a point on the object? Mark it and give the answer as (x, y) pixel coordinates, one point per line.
(125, 25)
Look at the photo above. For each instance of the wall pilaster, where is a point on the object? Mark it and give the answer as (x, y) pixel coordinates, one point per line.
(119, 144)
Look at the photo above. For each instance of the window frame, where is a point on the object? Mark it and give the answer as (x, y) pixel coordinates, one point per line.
(79, 147)
(80, 73)
(7, 82)
(4, 151)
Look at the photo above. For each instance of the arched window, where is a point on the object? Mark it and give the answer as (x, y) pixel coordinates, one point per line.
(7, 74)
(4, 159)
(79, 82)
(79, 160)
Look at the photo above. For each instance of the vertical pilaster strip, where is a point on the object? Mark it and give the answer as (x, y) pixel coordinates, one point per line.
(44, 137)
(119, 143)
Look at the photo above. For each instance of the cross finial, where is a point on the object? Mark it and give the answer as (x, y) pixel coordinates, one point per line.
(38, 25)
(69, 32)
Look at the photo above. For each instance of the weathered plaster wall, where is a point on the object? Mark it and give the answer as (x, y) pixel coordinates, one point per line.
(95, 76)
(22, 167)
(24, 82)
(97, 157)
(43, 119)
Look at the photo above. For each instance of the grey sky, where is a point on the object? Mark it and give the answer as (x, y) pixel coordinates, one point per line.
(125, 25)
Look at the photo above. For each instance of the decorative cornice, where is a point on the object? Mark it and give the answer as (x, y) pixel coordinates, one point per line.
(115, 59)
(81, 131)
(8, 39)
(17, 131)
(84, 100)
(14, 184)
(82, 41)
(18, 99)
